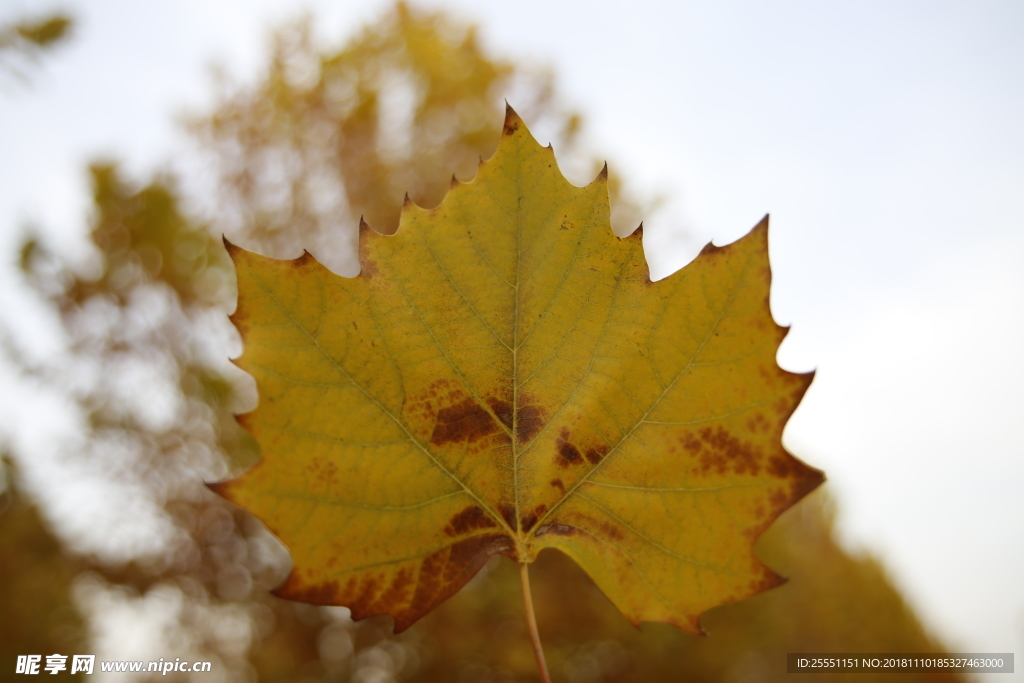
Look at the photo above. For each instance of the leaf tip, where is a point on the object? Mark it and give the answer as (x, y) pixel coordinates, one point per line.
(757, 234)
(512, 120)
(603, 175)
(221, 488)
(761, 229)
(638, 235)
(243, 420)
(709, 248)
(455, 182)
(811, 478)
(769, 579)
(305, 259)
(234, 251)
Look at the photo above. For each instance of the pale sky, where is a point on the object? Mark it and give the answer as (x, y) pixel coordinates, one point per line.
(884, 138)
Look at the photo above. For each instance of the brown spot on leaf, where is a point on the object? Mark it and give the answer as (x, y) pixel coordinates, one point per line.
(324, 593)
(322, 469)
(398, 591)
(568, 454)
(803, 479)
(531, 518)
(529, 421)
(690, 442)
(609, 530)
(724, 451)
(367, 268)
(510, 127)
(406, 596)
(444, 572)
(503, 410)
(469, 519)
(595, 454)
(785, 405)
(508, 513)
(557, 483)
(780, 466)
(466, 421)
(758, 423)
(363, 600)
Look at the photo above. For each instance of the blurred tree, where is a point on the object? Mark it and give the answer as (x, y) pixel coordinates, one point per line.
(137, 317)
(36, 573)
(324, 137)
(35, 580)
(329, 136)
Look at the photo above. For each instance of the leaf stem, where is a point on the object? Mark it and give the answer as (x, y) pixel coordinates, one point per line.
(531, 622)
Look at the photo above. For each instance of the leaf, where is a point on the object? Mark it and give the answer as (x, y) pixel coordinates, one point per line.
(503, 377)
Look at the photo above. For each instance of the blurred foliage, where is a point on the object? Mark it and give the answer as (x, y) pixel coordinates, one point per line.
(45, 32)
(35, 581)
(324, 137)
(328, 136)
(144, 238)
(22, 42)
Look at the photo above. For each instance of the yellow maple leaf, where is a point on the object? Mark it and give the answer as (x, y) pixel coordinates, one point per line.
(503, 377)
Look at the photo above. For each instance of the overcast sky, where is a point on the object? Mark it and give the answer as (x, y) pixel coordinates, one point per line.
(885, 139)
